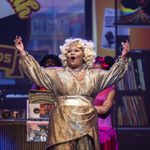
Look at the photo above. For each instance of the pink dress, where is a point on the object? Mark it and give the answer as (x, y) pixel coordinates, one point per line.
(107, 135)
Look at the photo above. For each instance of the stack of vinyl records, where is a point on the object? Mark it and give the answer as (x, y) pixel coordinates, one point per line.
(39, 106)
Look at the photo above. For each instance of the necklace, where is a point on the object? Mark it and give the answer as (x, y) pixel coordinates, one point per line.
(76, 74)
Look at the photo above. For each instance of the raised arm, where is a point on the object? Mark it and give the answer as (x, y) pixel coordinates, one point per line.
(117, 71)
(28, 65)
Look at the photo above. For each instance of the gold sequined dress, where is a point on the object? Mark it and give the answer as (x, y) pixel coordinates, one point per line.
(73, 116)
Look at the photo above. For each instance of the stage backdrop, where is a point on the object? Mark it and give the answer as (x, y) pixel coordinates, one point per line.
(43, 25)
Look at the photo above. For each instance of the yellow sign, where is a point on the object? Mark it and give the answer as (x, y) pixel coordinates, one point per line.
(24, 8)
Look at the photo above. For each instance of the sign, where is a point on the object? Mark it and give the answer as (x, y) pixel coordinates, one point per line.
(24, 8)
(9, 61)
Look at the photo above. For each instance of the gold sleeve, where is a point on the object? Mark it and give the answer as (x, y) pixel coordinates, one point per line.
(39, 75)
(115, 73)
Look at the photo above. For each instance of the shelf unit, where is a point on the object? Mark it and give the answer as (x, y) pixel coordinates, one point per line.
(131, 115)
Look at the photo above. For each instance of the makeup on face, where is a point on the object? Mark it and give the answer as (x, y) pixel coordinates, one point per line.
(75, 56)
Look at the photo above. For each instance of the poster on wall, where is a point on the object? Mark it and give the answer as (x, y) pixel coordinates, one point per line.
(108, 31)
(135, 12)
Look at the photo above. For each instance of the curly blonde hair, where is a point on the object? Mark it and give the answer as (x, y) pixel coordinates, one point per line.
(88, 49)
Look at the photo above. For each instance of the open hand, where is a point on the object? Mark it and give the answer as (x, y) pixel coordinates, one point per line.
(126, 49)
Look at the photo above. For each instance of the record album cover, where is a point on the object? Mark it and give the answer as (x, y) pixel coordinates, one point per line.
(37, 131)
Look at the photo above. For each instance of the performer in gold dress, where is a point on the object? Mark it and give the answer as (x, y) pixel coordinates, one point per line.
(73, 120)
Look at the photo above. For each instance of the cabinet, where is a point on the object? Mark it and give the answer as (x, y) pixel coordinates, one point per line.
(132, 109)
(13, 137)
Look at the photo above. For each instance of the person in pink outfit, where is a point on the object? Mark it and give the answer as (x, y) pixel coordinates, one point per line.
(103, 103)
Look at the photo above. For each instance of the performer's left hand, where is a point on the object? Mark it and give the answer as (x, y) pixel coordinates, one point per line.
(126, 49)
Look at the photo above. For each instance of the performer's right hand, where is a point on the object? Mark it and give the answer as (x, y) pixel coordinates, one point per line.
(19, 45)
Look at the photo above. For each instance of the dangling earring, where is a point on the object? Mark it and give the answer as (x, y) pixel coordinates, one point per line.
(84, 60)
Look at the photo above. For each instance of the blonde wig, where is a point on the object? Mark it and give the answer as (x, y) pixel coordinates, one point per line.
(86, 46)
